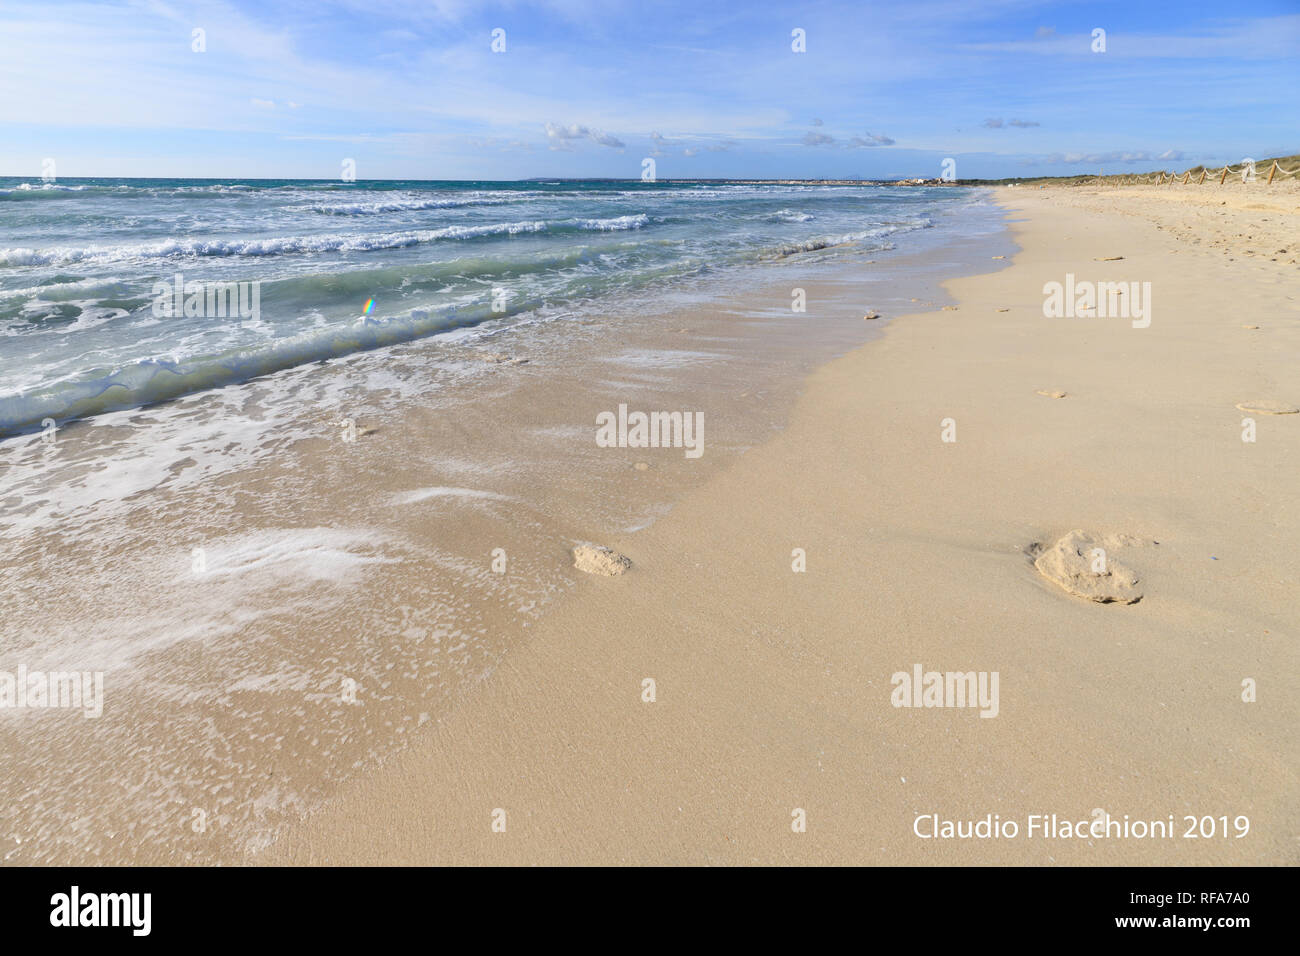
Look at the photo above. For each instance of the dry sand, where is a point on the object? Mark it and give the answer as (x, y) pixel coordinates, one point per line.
(772, 689)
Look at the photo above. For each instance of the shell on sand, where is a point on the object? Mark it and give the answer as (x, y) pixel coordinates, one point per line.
(1268, 406)
(595, 559)
(1071, 561)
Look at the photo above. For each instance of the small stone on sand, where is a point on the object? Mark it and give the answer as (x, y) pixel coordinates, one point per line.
(1107, 258)
(595, 559)
(872, 315)
(1267, 406)
(999, 257)
(1051, 392)
(1071, 561)
(950, 308)
(1250, 326)
(1004, 310)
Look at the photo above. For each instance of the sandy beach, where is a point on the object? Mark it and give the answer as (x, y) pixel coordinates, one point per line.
(916, 482)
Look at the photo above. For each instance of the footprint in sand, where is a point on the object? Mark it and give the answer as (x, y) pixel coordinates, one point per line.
(1268, 406)
(1081, 564)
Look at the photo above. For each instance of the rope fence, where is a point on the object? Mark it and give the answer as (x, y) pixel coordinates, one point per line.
(1247, 170)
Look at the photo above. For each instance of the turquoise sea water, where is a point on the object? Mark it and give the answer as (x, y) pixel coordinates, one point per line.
(343, 267)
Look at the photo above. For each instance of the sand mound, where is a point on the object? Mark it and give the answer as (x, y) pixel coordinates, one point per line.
(1268, 406)
(597, 560)
(1072, 563)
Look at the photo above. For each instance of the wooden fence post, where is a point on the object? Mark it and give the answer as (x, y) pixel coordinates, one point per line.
(1224, 176)
(1272, 172)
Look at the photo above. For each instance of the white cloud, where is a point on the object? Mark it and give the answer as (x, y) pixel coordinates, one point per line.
(869, 140)
(1262, 37)
(1114, 156)
(557, 133)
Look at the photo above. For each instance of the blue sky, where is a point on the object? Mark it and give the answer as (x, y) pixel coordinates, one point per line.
(412, 89)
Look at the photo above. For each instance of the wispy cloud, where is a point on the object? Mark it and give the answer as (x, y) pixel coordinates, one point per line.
(869, 140)
(1015, 123)
(557, 133)
(1115, 156)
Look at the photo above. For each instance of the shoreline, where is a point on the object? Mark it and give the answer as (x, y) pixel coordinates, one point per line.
(773, 687)
(271, 630)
